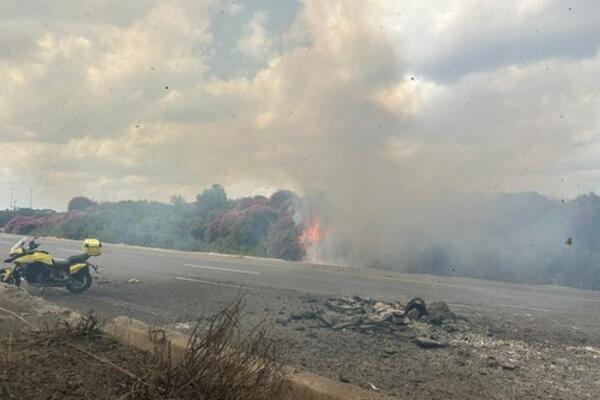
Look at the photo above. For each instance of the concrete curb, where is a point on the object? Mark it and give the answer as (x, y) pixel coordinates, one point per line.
(144, 337)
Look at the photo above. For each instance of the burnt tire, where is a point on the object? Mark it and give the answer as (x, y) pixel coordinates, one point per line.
(80, 281)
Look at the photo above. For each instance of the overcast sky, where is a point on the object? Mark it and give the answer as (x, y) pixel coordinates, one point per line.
(145, 99)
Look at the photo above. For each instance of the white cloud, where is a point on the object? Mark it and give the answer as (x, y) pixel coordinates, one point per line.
(256, 42)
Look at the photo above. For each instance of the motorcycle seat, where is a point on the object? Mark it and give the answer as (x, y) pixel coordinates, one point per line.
(80, 258)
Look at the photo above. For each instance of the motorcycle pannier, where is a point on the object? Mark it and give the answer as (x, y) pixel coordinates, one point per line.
(92, 247)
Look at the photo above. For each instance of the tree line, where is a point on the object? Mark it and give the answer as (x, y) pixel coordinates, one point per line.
(258, 226)
(524, 237)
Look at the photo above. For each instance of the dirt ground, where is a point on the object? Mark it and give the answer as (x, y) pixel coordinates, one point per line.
(37, 366)
(79, 362)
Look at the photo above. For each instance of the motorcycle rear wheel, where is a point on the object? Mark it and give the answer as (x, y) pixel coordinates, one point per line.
(79, 282)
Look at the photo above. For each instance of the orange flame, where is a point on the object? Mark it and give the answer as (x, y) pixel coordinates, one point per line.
(311, 235)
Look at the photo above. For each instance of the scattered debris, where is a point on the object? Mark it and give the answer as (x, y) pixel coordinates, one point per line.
(390, 351)
(304, 315)
(428, 343)
(413, 315)
(438, 312)
(329, 318)
(510, 365)
(417, 304)
(183, 326)
(506, 364)
(492, 362)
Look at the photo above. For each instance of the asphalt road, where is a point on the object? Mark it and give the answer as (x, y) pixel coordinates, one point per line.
(183, 285)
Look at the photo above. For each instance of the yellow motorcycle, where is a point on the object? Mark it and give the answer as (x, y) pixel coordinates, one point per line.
(40, 269)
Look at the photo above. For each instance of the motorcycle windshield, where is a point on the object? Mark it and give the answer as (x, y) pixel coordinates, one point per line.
(20, 244)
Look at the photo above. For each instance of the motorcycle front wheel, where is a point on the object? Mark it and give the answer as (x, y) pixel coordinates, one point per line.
(79, 282)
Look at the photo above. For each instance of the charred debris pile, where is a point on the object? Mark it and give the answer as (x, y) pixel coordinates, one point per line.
(416, 320)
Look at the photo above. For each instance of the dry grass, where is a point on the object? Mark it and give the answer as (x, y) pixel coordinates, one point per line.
(220, 362)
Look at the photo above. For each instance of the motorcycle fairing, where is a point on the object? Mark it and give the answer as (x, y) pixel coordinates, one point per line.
(77, 267)
(37, 256)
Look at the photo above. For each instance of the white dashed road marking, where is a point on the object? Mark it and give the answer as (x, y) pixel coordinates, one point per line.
(181, 278)
(222, 269)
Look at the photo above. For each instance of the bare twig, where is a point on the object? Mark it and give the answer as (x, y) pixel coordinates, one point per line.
(106, 361)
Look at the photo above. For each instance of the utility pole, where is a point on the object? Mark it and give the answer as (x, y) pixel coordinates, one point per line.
(31, 198)
(10, 201)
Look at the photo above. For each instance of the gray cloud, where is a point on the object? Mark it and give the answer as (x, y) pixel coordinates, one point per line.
(448, 40)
